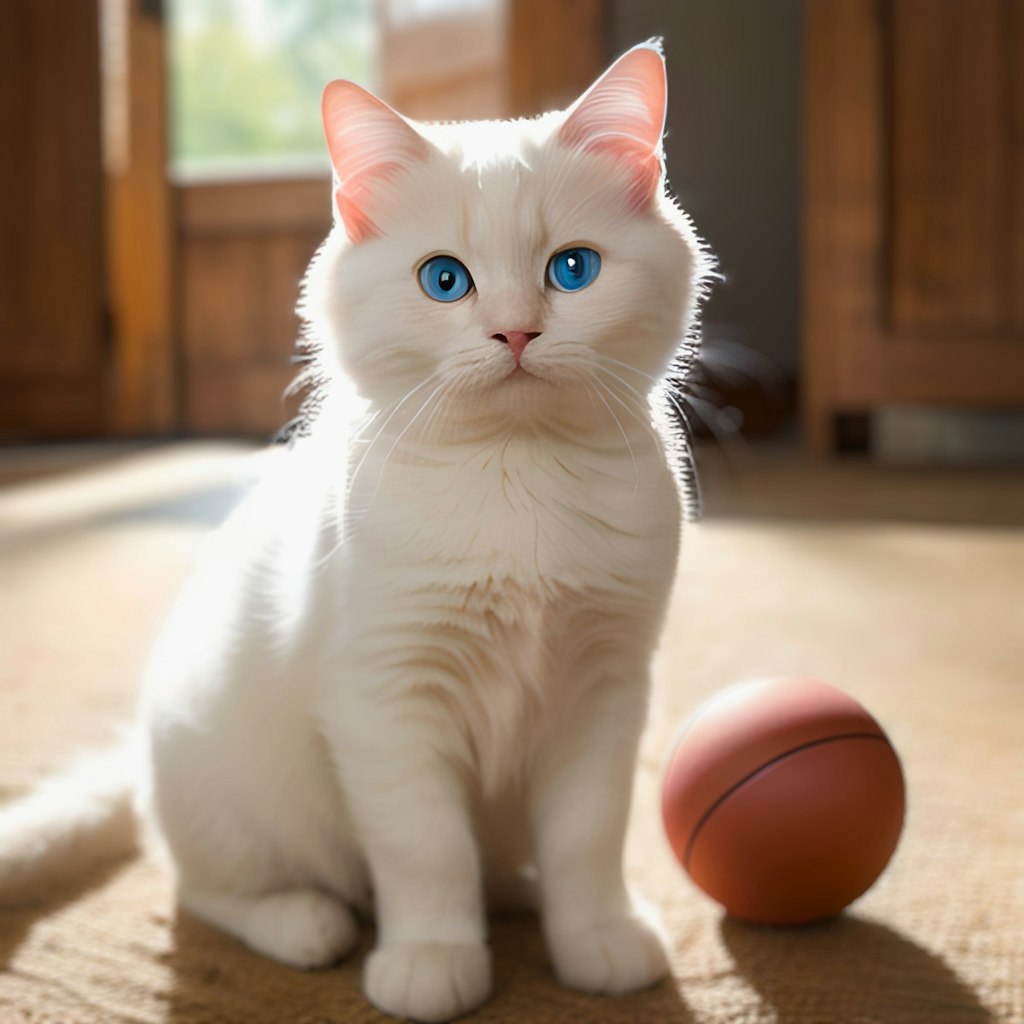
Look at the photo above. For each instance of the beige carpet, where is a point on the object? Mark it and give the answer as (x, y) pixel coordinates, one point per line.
(922, 622)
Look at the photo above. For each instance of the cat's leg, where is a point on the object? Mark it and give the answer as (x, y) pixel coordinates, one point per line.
(410, 806)
(599, 937)
(300, 927)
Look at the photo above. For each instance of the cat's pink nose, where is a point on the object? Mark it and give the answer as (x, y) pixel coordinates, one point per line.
(516, 340)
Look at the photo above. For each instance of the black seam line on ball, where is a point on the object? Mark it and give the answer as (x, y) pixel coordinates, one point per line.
(757, 771)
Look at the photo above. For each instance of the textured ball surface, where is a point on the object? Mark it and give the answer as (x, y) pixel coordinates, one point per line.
(783, 800)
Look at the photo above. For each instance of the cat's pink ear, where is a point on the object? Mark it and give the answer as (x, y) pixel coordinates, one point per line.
(367, 141)
(623, 114)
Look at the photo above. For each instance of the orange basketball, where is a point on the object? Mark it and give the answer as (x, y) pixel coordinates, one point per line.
(783, 800)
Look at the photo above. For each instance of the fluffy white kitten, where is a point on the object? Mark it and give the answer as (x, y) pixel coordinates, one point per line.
(412, 671)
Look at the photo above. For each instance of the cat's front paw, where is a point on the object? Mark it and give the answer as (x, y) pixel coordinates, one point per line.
(428, 981)
(621, 955)
(303, 928)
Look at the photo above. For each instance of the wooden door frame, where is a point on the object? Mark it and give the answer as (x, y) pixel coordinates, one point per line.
(144, 380)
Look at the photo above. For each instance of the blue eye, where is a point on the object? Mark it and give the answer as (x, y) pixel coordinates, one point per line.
(573, 269)
(445, 279)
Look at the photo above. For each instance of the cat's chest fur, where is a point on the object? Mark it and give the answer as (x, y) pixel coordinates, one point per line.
(492, 575)
(523, 516)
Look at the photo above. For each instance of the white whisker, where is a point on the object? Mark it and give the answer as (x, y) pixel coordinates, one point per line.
(682, 453)
(644, 400)
(345, 512)
(641, 414)
(398, 440)
(628, 366)
(673, 393)
(376, 437)
(629, 447)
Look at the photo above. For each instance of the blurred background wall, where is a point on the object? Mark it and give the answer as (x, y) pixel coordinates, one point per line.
(733, 150)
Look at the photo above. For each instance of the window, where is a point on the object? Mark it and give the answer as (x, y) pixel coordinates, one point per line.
(246, 78)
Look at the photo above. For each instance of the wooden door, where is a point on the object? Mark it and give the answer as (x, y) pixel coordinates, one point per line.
(914, 206)
(52, 308)
(140, 244)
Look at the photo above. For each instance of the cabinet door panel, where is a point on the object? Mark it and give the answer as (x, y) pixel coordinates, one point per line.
(51, 245)
(950, 150)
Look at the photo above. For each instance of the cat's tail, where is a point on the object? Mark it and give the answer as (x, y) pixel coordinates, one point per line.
(68, 826)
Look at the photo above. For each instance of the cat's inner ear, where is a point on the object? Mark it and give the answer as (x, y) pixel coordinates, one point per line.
(368, 141)
(623, 114)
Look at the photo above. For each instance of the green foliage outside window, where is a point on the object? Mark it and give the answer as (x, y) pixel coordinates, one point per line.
(246, 76)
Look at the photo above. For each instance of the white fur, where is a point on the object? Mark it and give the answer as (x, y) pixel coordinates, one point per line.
(415, 662)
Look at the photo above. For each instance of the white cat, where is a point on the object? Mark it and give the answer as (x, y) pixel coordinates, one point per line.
(415, 662)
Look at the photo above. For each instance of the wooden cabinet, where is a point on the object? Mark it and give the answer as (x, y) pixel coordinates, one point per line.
(913, 278)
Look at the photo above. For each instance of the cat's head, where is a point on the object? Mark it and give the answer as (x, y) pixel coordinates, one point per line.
(509, 266)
